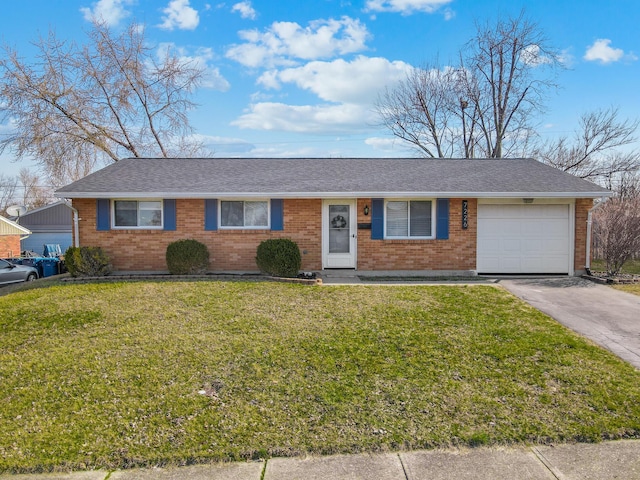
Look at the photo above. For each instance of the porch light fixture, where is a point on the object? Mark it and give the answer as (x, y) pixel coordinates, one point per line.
(366, 210)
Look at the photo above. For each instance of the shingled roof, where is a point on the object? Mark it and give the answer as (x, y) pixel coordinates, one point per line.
(328, 178)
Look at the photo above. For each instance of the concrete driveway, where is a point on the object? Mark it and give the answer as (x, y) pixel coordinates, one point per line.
(608, 317)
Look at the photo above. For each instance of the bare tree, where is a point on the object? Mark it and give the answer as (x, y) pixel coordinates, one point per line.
(79, 106)
(599, 150)
(34, 194)
(8, 188)
(617, 231)
(482, 107)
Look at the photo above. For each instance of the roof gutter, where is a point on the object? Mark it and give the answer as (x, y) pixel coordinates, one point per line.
(327, 195)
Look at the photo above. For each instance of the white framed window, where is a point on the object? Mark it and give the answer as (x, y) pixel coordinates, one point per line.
(247, 214)
(414, 219)
(144, 214)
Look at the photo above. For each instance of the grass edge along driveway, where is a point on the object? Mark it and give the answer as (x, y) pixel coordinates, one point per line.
(122, 375)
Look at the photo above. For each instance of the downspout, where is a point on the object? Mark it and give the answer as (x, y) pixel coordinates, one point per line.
(76, 231)
(587, 263)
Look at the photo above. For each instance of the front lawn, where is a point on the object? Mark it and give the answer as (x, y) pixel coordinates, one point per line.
(118, 375)
(629, 288)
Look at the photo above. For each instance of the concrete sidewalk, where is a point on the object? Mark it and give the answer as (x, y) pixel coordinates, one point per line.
(607, 460)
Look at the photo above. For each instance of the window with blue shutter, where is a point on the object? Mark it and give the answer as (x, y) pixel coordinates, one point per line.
(169, 207)
(277, 214)
(211, 214)
(442, 219)
(103, 208)
(377, 218)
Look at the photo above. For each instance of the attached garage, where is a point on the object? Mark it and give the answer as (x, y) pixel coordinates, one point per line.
(525, 238)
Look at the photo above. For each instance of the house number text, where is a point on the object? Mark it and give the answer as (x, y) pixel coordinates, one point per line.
(465, 214)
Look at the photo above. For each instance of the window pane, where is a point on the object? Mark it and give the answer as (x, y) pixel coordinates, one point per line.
(397, 219)
(256, 214)
(339, 232)
(126, 213)
(232, 214)
(150, 214)
(420, 214)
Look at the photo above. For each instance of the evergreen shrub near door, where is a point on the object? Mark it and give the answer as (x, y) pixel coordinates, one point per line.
(187, 257)
(279, 257)
(87, 262)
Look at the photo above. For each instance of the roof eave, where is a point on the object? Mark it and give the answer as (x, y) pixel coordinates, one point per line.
(318, 195)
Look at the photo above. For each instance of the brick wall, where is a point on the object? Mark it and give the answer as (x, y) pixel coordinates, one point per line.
(456, 253)
(235, 250)
(9, 246)
(230, 250)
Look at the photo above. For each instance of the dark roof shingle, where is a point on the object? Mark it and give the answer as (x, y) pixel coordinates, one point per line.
(328, 177)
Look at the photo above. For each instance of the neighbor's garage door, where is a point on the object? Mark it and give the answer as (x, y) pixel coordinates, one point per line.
(523, 238)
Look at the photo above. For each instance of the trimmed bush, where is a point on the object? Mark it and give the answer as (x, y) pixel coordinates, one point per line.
(279, 257)
(187, 257)
(87, 262)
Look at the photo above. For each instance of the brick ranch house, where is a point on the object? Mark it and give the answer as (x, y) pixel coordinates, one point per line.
(455, 215)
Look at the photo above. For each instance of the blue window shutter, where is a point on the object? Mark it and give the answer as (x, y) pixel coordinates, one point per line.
(211, 214)
(377, 218)
(103, 207)
(277, 214)
(169, 208)
(442, 219)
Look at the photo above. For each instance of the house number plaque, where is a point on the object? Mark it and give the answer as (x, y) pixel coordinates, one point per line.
(465, 214)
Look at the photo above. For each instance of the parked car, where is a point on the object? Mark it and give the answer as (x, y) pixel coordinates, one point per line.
(11, 273)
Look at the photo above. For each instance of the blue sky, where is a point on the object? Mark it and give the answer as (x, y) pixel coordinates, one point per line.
(291, 78)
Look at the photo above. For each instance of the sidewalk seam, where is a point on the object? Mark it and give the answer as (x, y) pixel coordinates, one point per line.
(264, 469)
(554, 471)
(404, 470)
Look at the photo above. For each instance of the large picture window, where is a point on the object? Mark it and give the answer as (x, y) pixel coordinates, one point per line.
(409, 219)
(137, 214)
(244, 214)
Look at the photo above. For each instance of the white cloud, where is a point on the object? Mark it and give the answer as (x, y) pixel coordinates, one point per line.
(283, 43)
(357, 81)
(224, 146)
(532, 56)
(199, 58)
(384, 144)
(407, 7)
(245, 10)
(178, 14)
(304, 118)
(108, 11)
(602, 52)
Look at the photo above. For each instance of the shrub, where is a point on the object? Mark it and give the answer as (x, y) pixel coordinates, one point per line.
(279, 257)
(187, 257)
(87, 262)
(616, 229)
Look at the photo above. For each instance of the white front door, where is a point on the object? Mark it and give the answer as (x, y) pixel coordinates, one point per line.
(339, 234)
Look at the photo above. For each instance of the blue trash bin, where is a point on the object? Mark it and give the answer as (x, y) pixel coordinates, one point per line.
(49, 266)
(35, 262)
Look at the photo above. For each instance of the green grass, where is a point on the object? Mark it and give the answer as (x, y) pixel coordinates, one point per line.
(630, 288)
(108, 375)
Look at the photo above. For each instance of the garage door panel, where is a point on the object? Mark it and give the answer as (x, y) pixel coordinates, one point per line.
(523, 238)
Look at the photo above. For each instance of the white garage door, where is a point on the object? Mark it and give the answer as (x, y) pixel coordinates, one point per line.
(523, 239)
